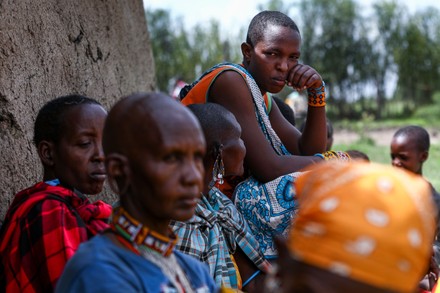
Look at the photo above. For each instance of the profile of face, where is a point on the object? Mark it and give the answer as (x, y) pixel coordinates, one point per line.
(77, 159)
(271, 59)
(406, 155)
(166, 176)
(233, 150)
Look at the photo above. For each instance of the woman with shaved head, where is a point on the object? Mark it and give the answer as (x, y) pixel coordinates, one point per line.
(154, 162)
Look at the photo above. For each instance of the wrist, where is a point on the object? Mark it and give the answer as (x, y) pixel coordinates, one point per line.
(316, 96)
(334, 155)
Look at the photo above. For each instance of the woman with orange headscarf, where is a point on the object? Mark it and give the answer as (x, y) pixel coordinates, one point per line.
(360, 227)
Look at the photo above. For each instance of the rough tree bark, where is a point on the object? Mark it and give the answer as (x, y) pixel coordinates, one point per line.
(49, 48)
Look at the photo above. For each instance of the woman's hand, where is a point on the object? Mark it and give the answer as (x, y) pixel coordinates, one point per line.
(302, 77)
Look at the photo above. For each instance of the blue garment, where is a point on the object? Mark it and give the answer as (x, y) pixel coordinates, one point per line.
(268, 208)
(101, 266)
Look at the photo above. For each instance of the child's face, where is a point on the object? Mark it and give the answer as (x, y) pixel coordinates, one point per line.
(272, 58)
(405, 154)
(78, 156)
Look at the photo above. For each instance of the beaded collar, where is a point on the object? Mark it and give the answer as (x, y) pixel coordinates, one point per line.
(139, 236)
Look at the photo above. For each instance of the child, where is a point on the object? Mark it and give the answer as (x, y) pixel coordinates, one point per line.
(154, 161)
(410, 150)
(218, 234)
(46, 223)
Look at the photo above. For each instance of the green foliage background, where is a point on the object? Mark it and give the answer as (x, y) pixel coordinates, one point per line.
(382, 69)
(382, 64)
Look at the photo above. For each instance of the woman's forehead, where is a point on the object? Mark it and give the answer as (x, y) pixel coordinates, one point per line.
(175, 131)
(278, 31)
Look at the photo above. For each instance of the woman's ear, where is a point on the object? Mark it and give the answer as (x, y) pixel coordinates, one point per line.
(214, 150)
(46, 151)
(424, 156)
(246, 50)
(118, 173)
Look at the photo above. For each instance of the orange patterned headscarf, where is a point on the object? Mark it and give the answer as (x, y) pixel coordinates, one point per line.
(369, 222)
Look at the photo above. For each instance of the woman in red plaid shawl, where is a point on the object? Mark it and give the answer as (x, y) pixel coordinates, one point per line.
(46, 223)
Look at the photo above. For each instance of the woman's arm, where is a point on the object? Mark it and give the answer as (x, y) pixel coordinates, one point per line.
(231, 91)
(314, 136)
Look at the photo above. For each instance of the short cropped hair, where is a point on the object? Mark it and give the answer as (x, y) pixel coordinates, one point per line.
(49, 120)
(262, 20)
(417, 134)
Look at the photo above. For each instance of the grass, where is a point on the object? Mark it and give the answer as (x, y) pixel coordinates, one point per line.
(381, 154)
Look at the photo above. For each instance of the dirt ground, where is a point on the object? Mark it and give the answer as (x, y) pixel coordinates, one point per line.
(381, 137)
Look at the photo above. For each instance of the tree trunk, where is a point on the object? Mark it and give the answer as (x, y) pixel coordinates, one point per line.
(50, 48)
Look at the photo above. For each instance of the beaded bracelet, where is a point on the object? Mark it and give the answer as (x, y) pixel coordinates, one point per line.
(343, 156)
(316, 96)
(319, 155)
(336, 155)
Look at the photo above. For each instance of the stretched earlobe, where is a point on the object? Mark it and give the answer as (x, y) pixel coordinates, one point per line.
(46, 151)
(118, 173)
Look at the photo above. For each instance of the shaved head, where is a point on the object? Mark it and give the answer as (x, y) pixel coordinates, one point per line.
(154, 150)
(142, 119)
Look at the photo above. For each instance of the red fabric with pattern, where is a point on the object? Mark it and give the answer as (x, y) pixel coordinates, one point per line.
(43, 228)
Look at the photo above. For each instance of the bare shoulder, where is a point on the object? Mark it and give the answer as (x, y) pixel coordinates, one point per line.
(230, 90)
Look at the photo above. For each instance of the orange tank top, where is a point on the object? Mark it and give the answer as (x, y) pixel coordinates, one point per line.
(199, 93)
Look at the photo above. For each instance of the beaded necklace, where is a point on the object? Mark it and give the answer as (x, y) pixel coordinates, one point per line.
(151, 245)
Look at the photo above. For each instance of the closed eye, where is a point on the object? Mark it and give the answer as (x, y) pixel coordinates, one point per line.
(84, 144)
(296, 58)
(171, 157)
(199, 156)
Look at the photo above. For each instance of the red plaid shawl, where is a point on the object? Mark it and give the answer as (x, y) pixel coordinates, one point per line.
(42, 230)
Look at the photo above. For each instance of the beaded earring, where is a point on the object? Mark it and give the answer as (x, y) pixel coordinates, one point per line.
(218, 171)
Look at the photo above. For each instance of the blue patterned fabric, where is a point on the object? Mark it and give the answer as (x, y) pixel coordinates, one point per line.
(268, 208)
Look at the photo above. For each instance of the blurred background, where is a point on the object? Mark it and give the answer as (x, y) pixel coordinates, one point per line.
(380, 60)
